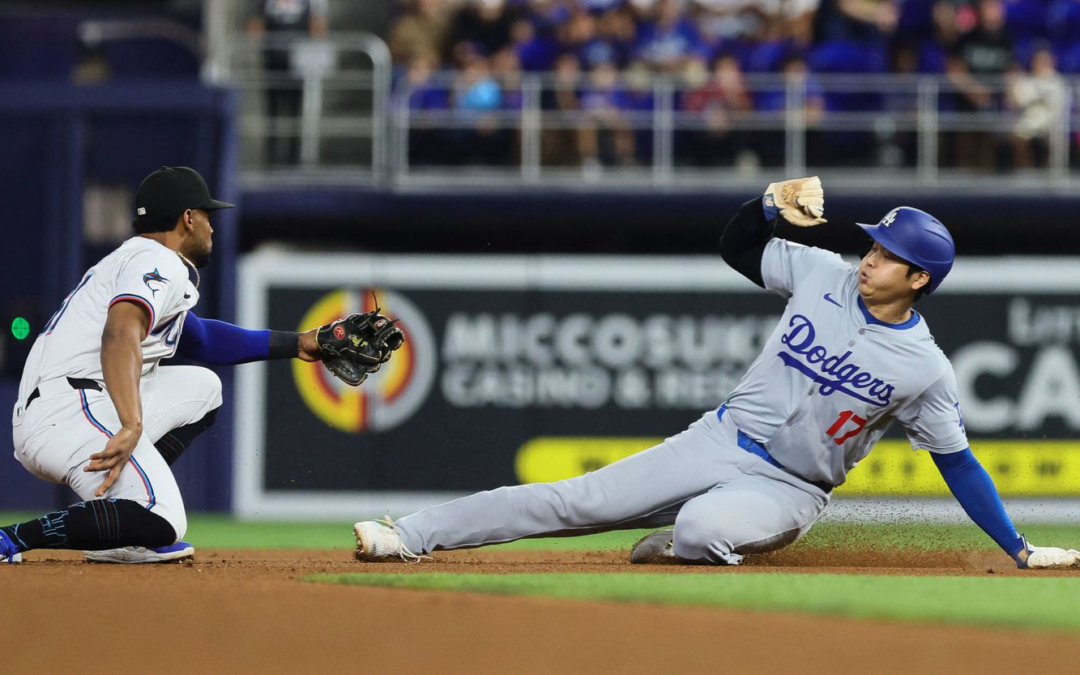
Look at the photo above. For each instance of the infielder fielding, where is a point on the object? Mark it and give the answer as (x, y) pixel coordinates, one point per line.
(97, 411)
(848, 357)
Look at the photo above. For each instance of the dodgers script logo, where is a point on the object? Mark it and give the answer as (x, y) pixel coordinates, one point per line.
(833, 372)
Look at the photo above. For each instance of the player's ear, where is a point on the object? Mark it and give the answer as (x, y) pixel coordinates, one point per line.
(921, 279)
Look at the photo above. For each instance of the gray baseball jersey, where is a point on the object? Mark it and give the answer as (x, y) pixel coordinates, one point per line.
(828, 382)
(831, 377)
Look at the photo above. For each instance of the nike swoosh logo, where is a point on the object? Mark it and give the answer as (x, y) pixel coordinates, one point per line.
(828, 298)
(187, 297)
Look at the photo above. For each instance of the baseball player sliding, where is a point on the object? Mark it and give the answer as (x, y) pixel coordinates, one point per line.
(98, 412)
(849, 356)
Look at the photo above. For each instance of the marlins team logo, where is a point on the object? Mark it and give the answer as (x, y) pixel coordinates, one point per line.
(390, 396)
(154, 281)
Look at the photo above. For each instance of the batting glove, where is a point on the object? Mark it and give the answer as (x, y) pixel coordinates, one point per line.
(800, 201)
(1045, 557)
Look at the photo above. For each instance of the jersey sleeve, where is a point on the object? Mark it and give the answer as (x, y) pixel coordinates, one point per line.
(784, 264)
(148, 279)
(934, 421)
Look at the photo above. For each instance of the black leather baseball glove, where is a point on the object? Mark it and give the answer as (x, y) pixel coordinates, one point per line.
(354, 347)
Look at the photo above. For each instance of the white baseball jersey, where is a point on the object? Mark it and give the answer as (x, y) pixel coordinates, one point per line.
(831, 377)
(141, 271)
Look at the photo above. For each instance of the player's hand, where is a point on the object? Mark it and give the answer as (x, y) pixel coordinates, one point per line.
(113, 458)
(1046, 557)
(800, 201)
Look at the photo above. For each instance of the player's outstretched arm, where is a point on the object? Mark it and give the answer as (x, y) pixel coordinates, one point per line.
(977, 494)
(221, 343)
(352, 347)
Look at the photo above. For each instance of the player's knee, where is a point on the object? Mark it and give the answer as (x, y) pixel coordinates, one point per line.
(703, 532)
(173, 513)
(699, 535)
(177, 518)
(209, 385)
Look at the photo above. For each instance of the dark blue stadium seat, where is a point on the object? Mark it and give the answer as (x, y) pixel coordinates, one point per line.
(1064, 20)
(916, 21)
(932, 58)
(1069, 58)
(1022, 51)
(765, 57)
(844, 56)
(1027, 19)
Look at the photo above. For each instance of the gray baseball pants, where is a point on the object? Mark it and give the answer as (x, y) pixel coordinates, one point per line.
(723, 501)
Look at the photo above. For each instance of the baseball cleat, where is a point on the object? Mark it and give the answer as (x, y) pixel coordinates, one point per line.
(655, 549)
(8, 552)
(379, 541)
(137, 555)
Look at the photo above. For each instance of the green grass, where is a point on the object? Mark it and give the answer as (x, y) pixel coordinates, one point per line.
(218, 531)
(1046, 603)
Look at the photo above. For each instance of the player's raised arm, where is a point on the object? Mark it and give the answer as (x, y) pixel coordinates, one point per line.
(801, 202)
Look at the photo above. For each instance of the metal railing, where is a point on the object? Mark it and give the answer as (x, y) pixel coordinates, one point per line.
(352, 124)
(888, 128)
(317, 106)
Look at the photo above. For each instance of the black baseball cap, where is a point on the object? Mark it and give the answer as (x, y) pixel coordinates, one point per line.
(170, 191)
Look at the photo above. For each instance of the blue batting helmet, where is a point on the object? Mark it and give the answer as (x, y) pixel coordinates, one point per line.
(917, 237)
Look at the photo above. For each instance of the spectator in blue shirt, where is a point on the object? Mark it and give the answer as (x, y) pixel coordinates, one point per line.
(478, 100)
(535, 51)
(772, 103)
(671, 40)
(608, 138)
(427, 145)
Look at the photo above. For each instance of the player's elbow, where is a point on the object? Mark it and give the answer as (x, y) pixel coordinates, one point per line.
(120, 337)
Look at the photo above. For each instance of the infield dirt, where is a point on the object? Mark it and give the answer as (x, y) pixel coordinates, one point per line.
(249, 612)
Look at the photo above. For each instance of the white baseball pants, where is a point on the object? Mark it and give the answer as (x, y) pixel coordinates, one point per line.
(56, 434)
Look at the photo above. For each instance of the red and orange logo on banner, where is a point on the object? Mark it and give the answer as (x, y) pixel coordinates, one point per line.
(388, 397)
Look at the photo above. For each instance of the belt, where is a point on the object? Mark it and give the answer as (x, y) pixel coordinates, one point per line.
(753, 447)
(75, 382)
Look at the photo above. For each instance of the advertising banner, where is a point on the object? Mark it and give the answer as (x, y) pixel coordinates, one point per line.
(523, 369)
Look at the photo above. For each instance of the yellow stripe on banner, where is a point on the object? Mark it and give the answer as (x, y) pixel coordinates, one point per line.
(1022, 468)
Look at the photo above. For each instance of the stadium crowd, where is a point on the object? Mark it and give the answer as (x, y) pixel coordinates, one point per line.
(604, 55)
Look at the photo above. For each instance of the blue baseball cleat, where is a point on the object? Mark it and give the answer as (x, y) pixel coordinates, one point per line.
(137, 555)
(8, 552)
